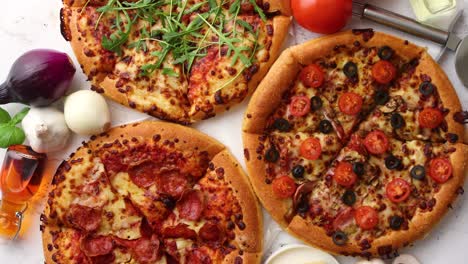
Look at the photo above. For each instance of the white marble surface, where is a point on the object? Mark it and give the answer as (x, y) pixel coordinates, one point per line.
(30, 24)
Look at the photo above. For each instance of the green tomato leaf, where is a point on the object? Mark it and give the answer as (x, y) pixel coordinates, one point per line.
(11, 135)
(4, 116)
(19, 116)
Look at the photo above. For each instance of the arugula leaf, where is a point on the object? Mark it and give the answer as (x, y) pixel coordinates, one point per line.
(170, 72)
(244, 24)
(10, 135)
(258, 10)
(19, 116)
(4, 116)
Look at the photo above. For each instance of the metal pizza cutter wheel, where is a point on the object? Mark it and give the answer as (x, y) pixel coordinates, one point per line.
(449, 40)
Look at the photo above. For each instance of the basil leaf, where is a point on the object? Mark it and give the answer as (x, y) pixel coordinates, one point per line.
(11, 135)
(19, 117)
(4, 116)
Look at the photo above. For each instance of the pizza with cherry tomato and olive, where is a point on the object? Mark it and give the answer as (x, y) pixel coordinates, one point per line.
(151, 192)
(352, 143)
(181, 61)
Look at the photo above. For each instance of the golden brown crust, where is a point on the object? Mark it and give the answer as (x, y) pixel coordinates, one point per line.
(187, 138)
(246, 257)
(250, 239)
(47, 243)
(275, 206)
(269, 93)
(283, 6)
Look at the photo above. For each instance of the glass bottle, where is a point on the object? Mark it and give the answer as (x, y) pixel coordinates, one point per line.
(20, 178)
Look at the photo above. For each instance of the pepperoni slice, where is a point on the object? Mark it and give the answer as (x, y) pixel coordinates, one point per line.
(191, 205)
(97, 246)
(211, 232)
(173, 184)
(84, 218)
(146, 250)
(105, 259)
(179, 231)
(198, 256)
(143, 175)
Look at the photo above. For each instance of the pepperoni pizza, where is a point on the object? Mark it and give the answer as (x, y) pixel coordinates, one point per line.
(351, 142)
(151, 193)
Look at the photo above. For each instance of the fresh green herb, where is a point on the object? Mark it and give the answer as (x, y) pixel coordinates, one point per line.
(10, 134)
(178, 34)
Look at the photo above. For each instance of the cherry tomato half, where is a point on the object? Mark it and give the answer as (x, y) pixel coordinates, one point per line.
(322, 16)
(398, 190)
(350, 103)
(430, 118)
(383, 72)
(311, 149)
(312, 76)
(376, 142)
(300, 105)
(344, 174)
(440, 169)
(284, 187)
(366, 217)
(343, 217)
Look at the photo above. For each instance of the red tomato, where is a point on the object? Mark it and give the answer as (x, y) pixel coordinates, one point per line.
(366, 217)
(430, 118)
(398, 190)
(343, 217)
(440, 170)
(312, 76)
(300, 105)
(350, 103)
(284, 187)
(344, 174)
(322, 16)
(376, 142)
(311, 149)
(383, 72)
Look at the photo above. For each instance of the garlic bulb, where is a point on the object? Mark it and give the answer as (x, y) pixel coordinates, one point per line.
(46, 130)
(86, 113)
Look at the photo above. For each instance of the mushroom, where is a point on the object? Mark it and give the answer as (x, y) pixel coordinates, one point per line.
(372, 261)
(406, 259)
(87, 113)
(46, 130)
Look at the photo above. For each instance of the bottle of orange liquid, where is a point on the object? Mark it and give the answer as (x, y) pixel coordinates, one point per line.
(20, 178)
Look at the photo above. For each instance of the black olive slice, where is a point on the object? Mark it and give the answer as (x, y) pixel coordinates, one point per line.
(385, 53)
(396, 222)
(358, 168)
(397, 121)
(325, 126)
(272, 155)
(348, 197)
(350, 69)
(392, 162)
(282, 125)
(298, 171)
(303, 206)
(418, 172)
(381, 97)
(339, 238)
(315, 103)
(426, 88)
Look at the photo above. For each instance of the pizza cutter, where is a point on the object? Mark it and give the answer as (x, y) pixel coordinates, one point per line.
(448, 40)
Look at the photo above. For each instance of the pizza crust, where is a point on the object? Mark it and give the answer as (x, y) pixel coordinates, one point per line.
(250, 239)
(246, 257)
(270, 92)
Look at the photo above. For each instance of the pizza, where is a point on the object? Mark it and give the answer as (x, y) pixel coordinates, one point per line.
(181, 61)
(151, 192)
(352, 144)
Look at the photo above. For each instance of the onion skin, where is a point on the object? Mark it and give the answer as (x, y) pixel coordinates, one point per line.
(38, 78)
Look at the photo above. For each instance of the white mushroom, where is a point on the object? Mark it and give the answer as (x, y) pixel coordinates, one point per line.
(372, 261)
(86, 113)
(406, 259)
(46, 129)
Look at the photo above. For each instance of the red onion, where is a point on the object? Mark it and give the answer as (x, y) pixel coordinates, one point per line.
(38, 78)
